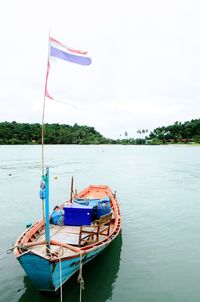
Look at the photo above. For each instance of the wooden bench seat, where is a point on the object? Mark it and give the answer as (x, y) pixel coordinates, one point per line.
(90, 234)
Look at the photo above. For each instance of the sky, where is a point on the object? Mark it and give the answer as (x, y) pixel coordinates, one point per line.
(145, 69)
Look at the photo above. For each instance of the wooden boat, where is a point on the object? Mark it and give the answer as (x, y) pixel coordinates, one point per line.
(50, 262)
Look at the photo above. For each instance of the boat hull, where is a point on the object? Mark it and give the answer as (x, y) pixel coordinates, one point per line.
(47, 275)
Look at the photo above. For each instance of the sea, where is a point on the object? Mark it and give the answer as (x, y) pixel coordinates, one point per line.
(156, 258)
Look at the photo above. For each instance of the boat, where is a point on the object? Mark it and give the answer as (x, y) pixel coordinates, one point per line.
(49, 263)
(57, 246)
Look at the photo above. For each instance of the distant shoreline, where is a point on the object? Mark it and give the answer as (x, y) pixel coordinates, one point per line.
(181, 134)
(147, 145)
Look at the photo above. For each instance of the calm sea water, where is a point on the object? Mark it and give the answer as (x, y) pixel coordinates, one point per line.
(157, 257)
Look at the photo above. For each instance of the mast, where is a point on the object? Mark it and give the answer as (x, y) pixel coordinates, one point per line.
(44, 195)
(44, 102)
(44, 187)
(47, 225)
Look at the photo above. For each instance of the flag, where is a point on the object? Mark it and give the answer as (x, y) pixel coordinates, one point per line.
(63, 52)
(47, 75)
(60, 51)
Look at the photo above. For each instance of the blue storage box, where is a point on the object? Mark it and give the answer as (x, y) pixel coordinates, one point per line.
(78, 215)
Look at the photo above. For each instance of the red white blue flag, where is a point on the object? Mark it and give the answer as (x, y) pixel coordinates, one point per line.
(60, 51)
(63, 52)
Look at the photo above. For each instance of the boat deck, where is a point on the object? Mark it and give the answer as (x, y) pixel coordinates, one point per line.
(62, 234)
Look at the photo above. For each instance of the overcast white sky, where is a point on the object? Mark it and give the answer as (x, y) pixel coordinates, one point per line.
(145, 71)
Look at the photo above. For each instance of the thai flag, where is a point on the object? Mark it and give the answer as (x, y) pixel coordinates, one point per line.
(60, 51)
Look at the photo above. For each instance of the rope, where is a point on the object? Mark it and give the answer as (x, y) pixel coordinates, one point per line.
(8, 251)
(42, 134)
(68, 104)
(5, 253)
(60, 279)
(60, 267)
(80, 277)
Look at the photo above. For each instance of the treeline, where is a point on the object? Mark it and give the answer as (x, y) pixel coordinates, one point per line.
(177, 133)
(23, 133)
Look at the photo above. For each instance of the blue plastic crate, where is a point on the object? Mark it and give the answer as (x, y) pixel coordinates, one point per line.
(77, 215)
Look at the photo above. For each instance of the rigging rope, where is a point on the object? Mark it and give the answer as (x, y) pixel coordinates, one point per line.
(60, 279)
(68, 104)
(5, 253)
(8, 251)
(80, 277)
(60, 269)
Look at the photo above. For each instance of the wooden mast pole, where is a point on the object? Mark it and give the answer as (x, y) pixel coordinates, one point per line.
(45, 178)
(44, 102)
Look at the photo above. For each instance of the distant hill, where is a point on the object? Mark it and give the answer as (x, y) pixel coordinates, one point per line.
(13, 133)
(177, 133)
(24, 133)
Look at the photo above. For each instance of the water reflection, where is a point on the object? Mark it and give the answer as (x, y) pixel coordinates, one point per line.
(100, 276)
